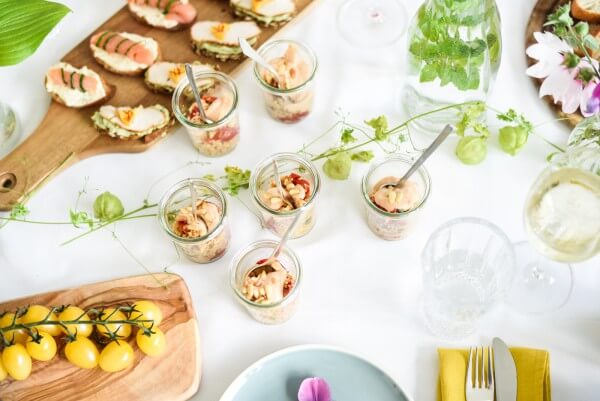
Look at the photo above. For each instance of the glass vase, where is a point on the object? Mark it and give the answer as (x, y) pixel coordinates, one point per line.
(454, 52)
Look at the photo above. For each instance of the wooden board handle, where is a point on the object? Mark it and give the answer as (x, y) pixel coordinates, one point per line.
(45, 152)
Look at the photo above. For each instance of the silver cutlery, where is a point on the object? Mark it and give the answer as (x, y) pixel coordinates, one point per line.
(505, 372)
(479, 385)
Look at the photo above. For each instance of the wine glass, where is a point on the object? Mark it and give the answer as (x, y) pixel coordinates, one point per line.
(372, 23)
(562, 220)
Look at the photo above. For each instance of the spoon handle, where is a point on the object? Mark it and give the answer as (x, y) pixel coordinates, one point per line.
(253, 54)
(286, 236)
(190, 76)
(425, 155)
(278, 180)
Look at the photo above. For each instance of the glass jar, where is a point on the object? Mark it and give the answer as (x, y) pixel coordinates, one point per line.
(219, 137)
(262, 179)
(393, 226)
(274, 313)
(454, 54)
(8, 129)
(293, 104)
(204, 248)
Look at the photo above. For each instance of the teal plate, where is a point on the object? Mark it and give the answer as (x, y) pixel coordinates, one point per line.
(277, 377)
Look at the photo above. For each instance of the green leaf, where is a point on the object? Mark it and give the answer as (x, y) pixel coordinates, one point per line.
(347, 136)
(380, 125)
(428, 73)
(80, 218)
(23, 26)
(236, 179)
(209, 177)
(18, 210)
(363, 156)
(338, 166)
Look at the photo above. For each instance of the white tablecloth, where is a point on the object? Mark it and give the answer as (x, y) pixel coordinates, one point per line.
(359, 292)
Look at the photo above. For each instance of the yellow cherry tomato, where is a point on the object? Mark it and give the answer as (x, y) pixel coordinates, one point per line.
(17, 361)
(3, 372)
(122, 330)
(18, 335)
(42, 350)
(82, 352)
(153, 345)
(116, 356)
(147, 310)
(73, 313)
(37, 313)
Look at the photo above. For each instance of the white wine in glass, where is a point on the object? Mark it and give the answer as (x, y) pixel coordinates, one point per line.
(562, 219)
(372, 23)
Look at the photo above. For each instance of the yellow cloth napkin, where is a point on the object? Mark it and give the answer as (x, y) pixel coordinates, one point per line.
(533, 374)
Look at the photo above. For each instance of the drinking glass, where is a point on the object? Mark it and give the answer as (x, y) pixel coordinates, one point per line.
(372, 23)
(562, 220)
(468, 265)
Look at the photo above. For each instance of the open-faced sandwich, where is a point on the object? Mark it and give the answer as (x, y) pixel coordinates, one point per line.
(133, 122)
(265, 12)
(166, 14)
(221, 40)
(164, 76)
(76, 87)
(124, 53)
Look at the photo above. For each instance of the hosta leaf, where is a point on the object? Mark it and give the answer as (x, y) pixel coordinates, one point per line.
(23, 26)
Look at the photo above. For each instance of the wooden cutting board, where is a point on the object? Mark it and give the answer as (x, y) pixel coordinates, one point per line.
(66, 135)
(173, 376)
(538, 17)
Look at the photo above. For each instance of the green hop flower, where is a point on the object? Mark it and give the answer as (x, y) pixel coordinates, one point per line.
(471, 149)
(512, 139)
(338, 166)
(108, 207)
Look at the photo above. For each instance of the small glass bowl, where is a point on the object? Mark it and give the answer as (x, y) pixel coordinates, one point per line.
(220, 137)
(214, 244)
(275, 313)
(394, 226)
(262, 176)
(287, 105)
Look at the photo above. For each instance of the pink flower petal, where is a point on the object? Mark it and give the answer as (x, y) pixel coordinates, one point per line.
(314, 389)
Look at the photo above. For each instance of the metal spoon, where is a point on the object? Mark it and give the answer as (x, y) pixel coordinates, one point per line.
(194, 199)
(278, 183)
(424, 156)
(190, 76)
(267, 265)
(253, 54)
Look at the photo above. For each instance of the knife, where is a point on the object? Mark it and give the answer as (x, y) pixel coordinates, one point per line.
(505, 372)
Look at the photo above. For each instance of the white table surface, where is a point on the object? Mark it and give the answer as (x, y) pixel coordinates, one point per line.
(359, 292)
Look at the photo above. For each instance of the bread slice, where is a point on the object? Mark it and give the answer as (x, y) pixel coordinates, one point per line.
(220, 40)
(272, 13)
(586, 10)
(110, 125)
(108, 89)
(114, 68)
(158, 77)
(159, 15)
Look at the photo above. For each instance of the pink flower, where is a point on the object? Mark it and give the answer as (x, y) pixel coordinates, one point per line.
(593, 104)
(562, 83)
(314, 389)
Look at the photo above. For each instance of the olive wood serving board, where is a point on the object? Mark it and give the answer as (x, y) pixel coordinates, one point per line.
(538, 17)
(173, 376)
(67, 135)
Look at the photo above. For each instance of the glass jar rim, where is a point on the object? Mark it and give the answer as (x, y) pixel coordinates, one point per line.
(223, 78)
(271, 244)
(406, 160)
(269, 45)
(162, 216)
(254, 187)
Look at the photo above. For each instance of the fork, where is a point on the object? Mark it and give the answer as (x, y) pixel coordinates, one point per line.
(479, 384)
